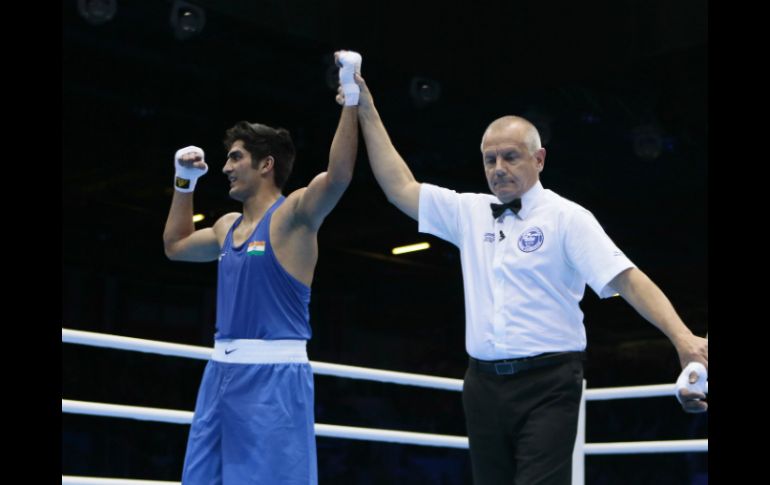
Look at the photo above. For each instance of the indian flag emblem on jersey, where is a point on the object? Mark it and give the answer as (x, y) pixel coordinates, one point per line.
(256, 248)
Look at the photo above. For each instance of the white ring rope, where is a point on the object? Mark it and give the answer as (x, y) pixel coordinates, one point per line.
(628, 392)
(324, 430)
(123, 411)
(590, 449)
(335, 431)
(72, 480)
(204, 353)
(622, 448)
(338, 370)
(371, 434)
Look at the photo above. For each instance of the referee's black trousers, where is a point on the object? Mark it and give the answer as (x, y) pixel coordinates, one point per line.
(522, 427)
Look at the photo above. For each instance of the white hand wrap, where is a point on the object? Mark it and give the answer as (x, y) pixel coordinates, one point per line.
(186, 177)
(701, 385)
(350, 62)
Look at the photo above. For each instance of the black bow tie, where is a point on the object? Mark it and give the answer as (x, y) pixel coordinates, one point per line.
(498, 209)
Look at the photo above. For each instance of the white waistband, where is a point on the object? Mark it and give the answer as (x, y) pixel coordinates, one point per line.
(252, 351)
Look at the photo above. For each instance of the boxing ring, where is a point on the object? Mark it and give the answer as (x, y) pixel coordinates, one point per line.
(347, 432)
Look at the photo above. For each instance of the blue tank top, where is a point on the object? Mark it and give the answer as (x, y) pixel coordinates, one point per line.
(256, 297)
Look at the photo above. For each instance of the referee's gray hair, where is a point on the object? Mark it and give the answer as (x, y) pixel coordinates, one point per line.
(532, 138)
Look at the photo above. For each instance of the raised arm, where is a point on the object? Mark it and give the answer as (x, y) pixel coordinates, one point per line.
(650, 302)
(181, 241)
(326, 189)
(390, 170)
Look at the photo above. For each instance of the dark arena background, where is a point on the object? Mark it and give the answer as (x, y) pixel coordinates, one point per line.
(617, 88)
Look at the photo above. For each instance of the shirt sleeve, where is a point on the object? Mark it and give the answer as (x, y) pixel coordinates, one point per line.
(439, 213)
(592, 253)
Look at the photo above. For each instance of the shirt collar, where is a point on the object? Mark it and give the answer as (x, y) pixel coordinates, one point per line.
(529, 199)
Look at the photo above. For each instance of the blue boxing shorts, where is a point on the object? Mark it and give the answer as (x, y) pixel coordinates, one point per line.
(254, 417)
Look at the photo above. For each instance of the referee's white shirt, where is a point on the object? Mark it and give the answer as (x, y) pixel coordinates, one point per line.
(524, 274)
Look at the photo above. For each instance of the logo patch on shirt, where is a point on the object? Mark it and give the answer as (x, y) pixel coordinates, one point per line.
(531, 239)
(256, 248)
(489, 237)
